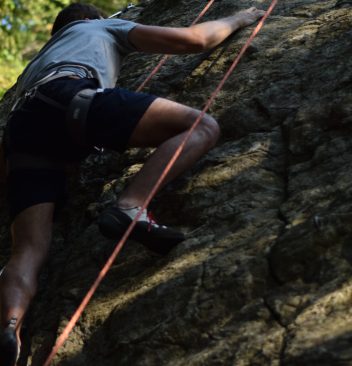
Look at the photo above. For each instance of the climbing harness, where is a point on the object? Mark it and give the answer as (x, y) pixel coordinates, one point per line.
(33, 92)
(64, 335)
(76, 116)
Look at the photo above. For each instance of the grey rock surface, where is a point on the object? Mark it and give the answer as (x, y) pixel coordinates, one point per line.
(264, 277)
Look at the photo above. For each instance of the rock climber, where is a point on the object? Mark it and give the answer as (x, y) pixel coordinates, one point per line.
(67, 104)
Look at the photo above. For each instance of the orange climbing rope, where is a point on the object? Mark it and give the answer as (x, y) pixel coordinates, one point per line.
(120, 244)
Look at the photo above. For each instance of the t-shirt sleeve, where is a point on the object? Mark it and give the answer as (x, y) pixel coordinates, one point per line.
(120, 28)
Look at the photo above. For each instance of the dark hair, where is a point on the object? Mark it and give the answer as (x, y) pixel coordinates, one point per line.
(76, 11)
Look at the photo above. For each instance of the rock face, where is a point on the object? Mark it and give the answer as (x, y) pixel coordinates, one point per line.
(265, 276)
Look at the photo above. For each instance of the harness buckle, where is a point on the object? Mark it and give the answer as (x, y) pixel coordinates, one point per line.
(30, 93)
(100, 150)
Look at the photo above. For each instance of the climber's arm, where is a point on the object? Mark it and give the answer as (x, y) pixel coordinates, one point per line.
(197, 38)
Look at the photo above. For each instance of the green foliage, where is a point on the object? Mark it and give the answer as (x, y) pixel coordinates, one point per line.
(25, 26)
(8, 74)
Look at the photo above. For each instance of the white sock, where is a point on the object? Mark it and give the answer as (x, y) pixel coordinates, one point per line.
(133, 211)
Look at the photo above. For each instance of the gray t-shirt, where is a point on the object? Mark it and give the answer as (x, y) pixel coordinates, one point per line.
(92, 48)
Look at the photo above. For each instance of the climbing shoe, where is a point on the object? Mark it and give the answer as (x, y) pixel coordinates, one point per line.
(9, 348)
(114, 221)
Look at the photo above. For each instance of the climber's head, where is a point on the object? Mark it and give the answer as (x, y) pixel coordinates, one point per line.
(76, 11)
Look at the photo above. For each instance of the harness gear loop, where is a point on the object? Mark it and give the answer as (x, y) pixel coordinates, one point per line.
(76, 116)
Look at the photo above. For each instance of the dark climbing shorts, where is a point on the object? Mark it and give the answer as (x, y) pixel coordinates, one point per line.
(39, 129)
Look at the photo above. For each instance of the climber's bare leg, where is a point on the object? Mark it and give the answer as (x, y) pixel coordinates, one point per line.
(31, 236)
(164, 125)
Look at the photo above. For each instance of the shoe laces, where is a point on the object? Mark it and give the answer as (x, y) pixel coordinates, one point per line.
(152, 222)
(145, 216)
